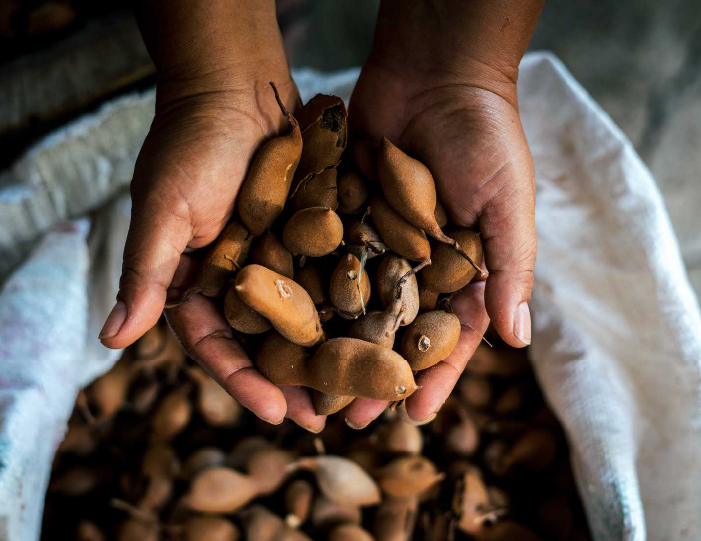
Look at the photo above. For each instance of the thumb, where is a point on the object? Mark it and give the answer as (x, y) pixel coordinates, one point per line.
(159, 232)
(507, 224)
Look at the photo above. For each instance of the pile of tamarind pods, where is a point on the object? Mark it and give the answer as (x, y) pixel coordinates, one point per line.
(157, 450)
(335, 270)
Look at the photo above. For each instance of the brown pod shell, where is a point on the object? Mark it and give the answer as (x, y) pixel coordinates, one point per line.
(324, 133)
(298, 498)
(209, 528)
(262, 525)
(430, 339)
(109, 391)
(449, 271)
(277, 352)
(171, 416)
(270, 252)
(317, 191)
(264, 191)
(353, 192)
(203, 458)
(377, 327)
(441, 215)
(401, 237)
(267, 467)
(224, 259)
(364, 155)
(471, 501)
(159, 492)
(326, 512)
(314, 232)
(327, 404)
(408, 186)
(344, 291)
(535, 450)
(342, 480)
(341, 366)
(312, 280)
(395, 519)
(408, 476)
(217, 407)
(392, 269)
(220, 490)
(286, 304)
(242, 317)
(399, 437)
(349, 532)
(160, 460)
(428, 299)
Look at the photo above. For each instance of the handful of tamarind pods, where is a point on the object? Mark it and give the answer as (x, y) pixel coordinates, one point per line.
(339, 269)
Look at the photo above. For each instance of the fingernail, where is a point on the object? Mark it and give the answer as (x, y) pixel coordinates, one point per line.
(522, 323)
(355, 426)
(271, 421)
(417, 422)
(114, 321)
(309, 428)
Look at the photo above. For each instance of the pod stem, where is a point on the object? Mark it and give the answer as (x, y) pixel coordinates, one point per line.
(408, 273)
(284, 110)
(363, 260)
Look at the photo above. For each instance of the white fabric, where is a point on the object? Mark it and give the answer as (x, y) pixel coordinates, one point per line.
(616, 327)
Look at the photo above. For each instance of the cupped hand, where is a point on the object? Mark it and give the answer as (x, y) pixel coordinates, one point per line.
(467, 131)
(186, 179)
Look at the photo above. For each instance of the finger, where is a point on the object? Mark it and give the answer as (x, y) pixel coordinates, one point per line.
(207, 338)
(184, 277)
(362, 411)
(301, 409)
(437, 382)
(507, 225)
(158, 233)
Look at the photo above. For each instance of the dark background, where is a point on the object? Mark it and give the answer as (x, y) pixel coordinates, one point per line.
(640, 59)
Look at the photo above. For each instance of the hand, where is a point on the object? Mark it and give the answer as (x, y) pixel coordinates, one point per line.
(185, 183)
(467, 131)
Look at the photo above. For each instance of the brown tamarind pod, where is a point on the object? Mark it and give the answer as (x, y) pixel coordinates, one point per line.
(312, 280)
(323, 121)
(408, 476)
(319, 190)
(440, 214)
(203, 458)
(449, 271)
(286, 304)
(349, 532)
(327, 404)
(327, 512)
(344, 367)
(395, 519)
(220, 490)
(270, 252)
(402, 237)
(264, 191)
(314, 232)
(349, 290)
(397, 436)
(430, 339)
(353, 192)
(378, 327)
(471, 501)
(172, 415)
(209, 528)
(298, 499)
(242, 317)
(395, 279)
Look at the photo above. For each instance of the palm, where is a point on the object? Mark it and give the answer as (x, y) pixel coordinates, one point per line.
(471, 140)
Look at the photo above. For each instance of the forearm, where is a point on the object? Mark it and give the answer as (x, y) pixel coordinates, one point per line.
(211, 43)
(467, 38)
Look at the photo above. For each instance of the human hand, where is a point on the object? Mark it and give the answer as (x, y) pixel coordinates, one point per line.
(209, 123)
(462, 122)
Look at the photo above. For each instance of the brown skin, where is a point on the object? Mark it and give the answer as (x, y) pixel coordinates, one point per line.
(440, 83)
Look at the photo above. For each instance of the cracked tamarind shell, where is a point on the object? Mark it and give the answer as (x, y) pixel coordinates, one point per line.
(449, 271)
(323, 121)
(285, 303)
(314, 232)
(430, 339)
(264, 191)
(317, 191)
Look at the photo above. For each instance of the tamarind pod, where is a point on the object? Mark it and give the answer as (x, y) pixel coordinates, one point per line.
(327, 404)
(317, 191)
(396, 280)
(402, 237)
(270, 252)
(353, 192)
(242, 317)
(430, 339)
(314, 232)
(449, 271)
